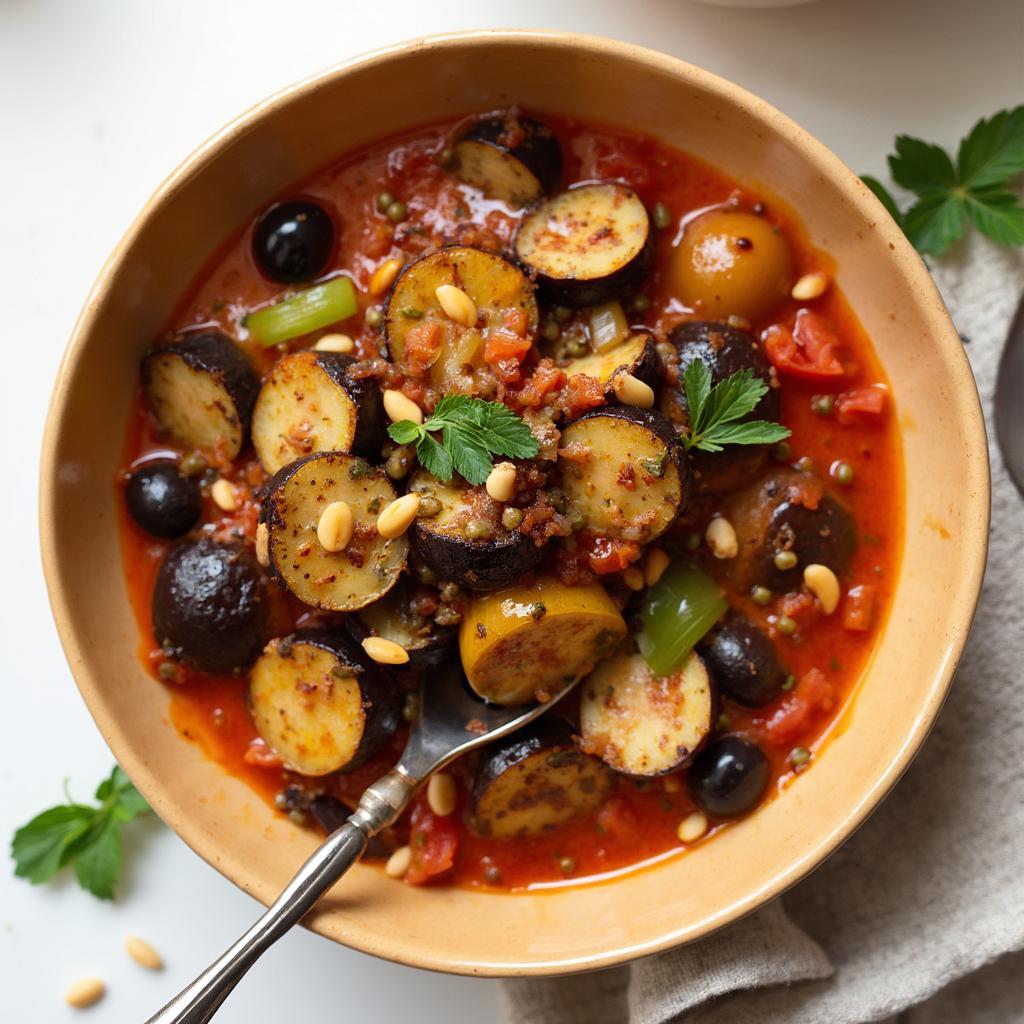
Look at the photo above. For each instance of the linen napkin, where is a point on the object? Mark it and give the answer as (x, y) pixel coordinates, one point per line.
(921, 913)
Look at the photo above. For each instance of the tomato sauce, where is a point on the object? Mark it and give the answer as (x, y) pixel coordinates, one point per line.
(640, 820)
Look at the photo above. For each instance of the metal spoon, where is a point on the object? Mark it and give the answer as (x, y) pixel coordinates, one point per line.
(1009, 402)
(452, 720)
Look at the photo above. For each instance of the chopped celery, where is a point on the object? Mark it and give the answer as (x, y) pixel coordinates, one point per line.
(676, 613)
(305, 311)
(608, 326)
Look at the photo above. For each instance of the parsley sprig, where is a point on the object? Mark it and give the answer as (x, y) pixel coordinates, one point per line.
(472, 433)
(87, 837)
(715, 411)
(974, 189)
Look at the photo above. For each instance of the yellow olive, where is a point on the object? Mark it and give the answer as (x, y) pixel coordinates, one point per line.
(730, 263)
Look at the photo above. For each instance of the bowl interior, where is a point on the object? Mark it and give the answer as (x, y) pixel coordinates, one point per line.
(288, 137)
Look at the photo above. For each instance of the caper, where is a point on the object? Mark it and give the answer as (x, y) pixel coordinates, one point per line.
(168, 671)
(782, 452)
(723, 723)
(784, 560)
(396, 212)
(411, 707)
(805, 464)
(551, 331)
(822, 404)
(446, 158)
(450, 591)
(512, 518)
(692, 541)
(662, 216)
(799, 756)
(577, 346)
(426, 575)
(397, 466)
(384, 200)
(562, 314)
(429, 507)
(297, 817)
(760, 595)
(477, 529)
(843, 472)
(558, 500)
(640, 303)
(492, 875)
(567, 864)
(785, 625)
(192, 464)
(374, 316)
(788, 683)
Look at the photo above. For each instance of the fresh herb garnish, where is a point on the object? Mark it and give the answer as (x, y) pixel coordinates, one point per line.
(974, 189)
(472, 432)
(87, 837)
(715, 411)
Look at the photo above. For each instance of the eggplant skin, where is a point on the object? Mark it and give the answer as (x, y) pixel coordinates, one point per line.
(210, 605)
(533, 781)
(644, 364)
(479, 565)
(533, 156)
(215, 355)
(741, 660)
(724, 350)
(387, 617)
(371, 428)
(593, 276)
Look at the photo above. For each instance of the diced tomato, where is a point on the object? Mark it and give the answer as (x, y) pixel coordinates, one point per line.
(859, 608)
(861, 405)
(261, 754)
(808, 350)
(515, 320)
(434, 841)
(802, 608)
(422, 344)
(618, 820)
(813, 694)
(503, 347)
(545, 379)
(583, 392)
(603, 555)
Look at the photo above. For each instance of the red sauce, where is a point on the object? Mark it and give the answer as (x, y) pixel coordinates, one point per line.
(639, 822)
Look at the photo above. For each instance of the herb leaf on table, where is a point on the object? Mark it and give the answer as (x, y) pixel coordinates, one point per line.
(974, 189)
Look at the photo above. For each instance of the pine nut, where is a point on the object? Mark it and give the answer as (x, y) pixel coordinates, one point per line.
(457, 305)
(398, 863)
(85, 992)
(335, 343)
(223, 494)
(655, 564)
(633, 578)
(263, 544)
(385, 652)
(630, 390)
(810, 286)
(692, 827)
(721, 538)
(401, 407)
(143, 953)
(501, 481)
(822, 583)
(398, 516)
(671, 784)
(384, 276)
(334, 530)
(441, 794)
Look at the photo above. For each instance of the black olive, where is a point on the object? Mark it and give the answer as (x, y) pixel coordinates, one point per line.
(293, 241)
(729, 776)
(163, 501)
(742, 661)
(210, 605)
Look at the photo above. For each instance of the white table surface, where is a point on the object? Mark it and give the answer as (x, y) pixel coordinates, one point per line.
(98, 101)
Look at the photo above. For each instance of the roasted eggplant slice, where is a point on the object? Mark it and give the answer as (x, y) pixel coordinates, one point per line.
(465, 542)
(636, 355)
(319, 705)
(587, 245)
(397, 617)
(530, 640)
(424, 341)
(741, 660)
(724, 351)
(294, 499)
(633, 479)
(309, 404)
(534, 781)
(201, 390)
(210, 605)
(788, 512)
(642, 724)
(509, 157)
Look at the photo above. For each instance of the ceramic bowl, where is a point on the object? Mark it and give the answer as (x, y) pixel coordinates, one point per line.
(292, 134)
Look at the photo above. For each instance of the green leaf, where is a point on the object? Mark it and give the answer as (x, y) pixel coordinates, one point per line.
(998, 214)
(934, 223)
(697, 387)
(735, 397)
(405, 432)
(921, 167)
(993, 151)
(751, 432)
(40, 848)
(97, 857)
(434, 458)
(884, 196)
(471, 460)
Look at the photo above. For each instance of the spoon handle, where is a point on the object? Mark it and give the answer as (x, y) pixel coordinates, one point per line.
(380, 805)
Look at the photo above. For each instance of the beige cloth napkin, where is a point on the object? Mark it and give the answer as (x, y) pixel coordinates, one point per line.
(921, 913)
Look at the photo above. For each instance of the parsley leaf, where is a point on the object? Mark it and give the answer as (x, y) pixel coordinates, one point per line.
(82, 835)
(472, 432)
(972, 190)
(715, 411)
